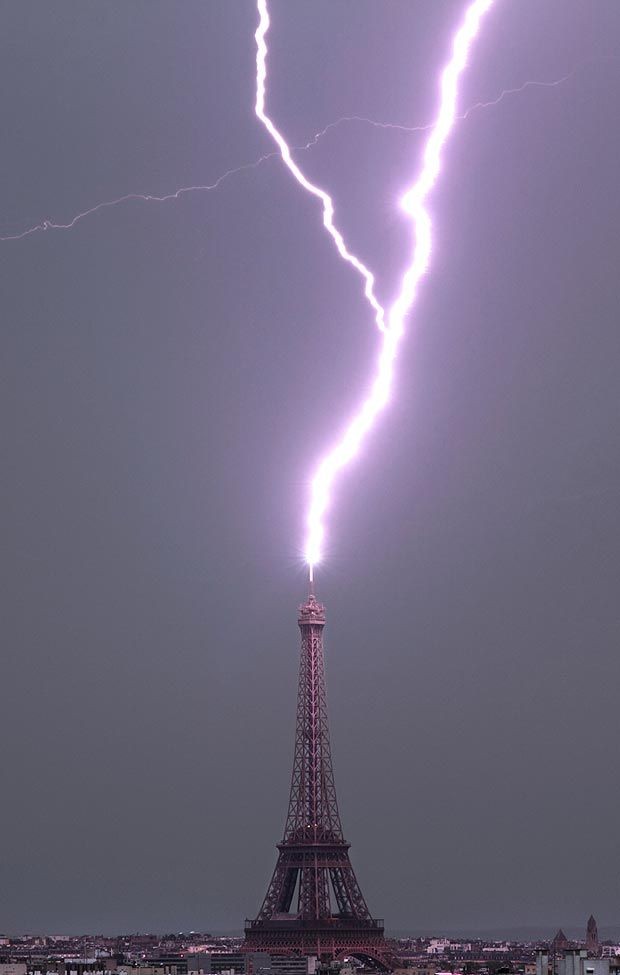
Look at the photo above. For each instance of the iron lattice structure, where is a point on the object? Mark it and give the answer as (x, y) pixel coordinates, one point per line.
(314, 905)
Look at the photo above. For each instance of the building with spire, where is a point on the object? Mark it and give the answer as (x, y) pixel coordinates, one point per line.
(592, 945)
(314, 906)
(560, 941)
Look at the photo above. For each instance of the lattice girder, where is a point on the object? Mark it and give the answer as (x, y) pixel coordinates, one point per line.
(314, 904)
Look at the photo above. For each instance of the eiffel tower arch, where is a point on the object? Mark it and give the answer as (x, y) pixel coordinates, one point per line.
(314, 904)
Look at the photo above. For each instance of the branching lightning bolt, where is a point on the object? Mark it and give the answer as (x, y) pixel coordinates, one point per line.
(285, 152)
(146, 197)
(43, 225)
(414, 204)
(400, 127)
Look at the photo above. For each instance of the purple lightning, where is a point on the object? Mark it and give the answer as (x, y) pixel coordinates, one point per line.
(146, 197)
(285, 152)
(414, 204)
(245, 167)
(400, 127)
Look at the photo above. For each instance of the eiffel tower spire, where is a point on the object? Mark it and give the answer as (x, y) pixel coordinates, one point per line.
(314, 905)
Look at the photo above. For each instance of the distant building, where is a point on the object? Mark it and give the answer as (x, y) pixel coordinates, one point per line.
(560, 942)
(169, 964)
(574, 961)
(14, 968)
(263, 963)
(216, 962)
(592, 946)
(437, 946)
(578, 963)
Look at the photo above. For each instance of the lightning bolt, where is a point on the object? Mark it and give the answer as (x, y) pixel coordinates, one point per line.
(378, 124)
(246, 167)
(146, 197)
(392, 323)
(285, 152)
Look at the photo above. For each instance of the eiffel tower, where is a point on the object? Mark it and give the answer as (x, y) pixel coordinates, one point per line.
(314, 905)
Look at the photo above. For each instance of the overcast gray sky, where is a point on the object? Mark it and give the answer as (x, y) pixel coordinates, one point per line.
(169, 374)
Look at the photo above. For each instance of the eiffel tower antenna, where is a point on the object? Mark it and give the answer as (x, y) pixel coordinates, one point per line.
(314, 905)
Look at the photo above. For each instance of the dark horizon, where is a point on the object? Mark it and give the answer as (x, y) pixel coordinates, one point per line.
(510, 932)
